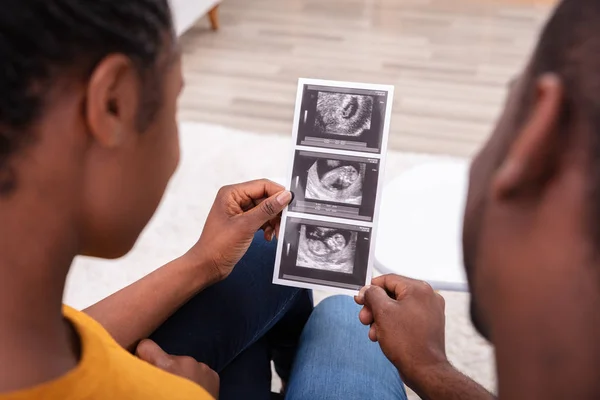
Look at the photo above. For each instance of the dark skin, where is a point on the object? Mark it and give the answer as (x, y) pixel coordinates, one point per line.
(531, 263)
(88, 185)
(417, 349)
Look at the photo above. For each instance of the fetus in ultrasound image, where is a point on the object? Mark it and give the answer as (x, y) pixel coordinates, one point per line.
(336, 181)
(343, 114)
(327, 249)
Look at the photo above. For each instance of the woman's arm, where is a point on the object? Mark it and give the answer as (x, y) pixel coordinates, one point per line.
(239, 211)
(134, 312)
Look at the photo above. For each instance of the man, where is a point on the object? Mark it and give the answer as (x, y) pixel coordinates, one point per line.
(531, 243)
(88, 142)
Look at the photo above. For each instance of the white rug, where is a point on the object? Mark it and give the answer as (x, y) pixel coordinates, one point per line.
(213, 156)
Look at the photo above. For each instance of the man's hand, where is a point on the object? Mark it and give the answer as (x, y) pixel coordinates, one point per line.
(185, 367)
(238, 212)
(407, 319)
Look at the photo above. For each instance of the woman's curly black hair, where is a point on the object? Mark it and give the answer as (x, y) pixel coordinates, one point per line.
(41, 40)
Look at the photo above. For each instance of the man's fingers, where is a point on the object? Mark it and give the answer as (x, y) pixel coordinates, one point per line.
(441, 300)
(375, 298)
(150, 352)
(268, 209)
(365, 316)
(396, 285)
(360, 297)
(373, 333)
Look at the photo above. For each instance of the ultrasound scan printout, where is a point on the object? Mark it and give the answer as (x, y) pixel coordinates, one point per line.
(335, 185)
(343, 114)
(340, 135)
(326, 249)
(336, 181)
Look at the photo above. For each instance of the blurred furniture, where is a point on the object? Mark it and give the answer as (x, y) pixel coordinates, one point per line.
(420, 225)
(187, 12)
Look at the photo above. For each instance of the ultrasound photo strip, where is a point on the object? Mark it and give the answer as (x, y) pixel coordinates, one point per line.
(340, 135)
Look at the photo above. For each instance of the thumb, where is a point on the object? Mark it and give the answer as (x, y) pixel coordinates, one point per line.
(268, 209)
(150, 352)
(375, 298)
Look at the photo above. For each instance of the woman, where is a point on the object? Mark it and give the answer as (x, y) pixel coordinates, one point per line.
(88, 143)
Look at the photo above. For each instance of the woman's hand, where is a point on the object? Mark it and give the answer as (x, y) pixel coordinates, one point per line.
(185, 367)
(238, 212)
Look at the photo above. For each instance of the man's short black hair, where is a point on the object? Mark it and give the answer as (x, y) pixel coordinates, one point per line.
(569, 46)
(40, 40)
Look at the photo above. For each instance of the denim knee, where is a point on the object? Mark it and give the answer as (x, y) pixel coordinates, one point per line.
(338, 308)
(336, 359)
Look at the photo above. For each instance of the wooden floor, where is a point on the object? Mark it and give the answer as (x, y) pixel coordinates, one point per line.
(449, 60)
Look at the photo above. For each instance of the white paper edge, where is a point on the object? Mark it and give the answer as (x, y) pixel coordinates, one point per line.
(382, 164)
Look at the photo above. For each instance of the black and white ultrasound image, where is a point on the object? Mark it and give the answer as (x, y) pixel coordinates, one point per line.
(346, 115)
(335, 185)
(336, 181)
(328, 249)
(325, 253)
(342, 118)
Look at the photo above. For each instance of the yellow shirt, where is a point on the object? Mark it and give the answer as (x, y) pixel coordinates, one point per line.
(108, 372)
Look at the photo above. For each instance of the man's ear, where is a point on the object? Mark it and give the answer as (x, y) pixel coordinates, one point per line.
(535, 153)
(112, 100)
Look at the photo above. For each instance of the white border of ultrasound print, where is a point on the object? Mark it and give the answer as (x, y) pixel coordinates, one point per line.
(382, 156)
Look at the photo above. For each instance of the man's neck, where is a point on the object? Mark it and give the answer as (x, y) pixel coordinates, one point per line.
(35, 256)
(542, 290)
(546, 340)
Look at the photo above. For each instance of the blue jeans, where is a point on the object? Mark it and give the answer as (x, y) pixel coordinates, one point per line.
(336, 359)
(240, 324)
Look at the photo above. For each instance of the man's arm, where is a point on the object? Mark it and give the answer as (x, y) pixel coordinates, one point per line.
(407, 319)
(447, 383)
(239, 211)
